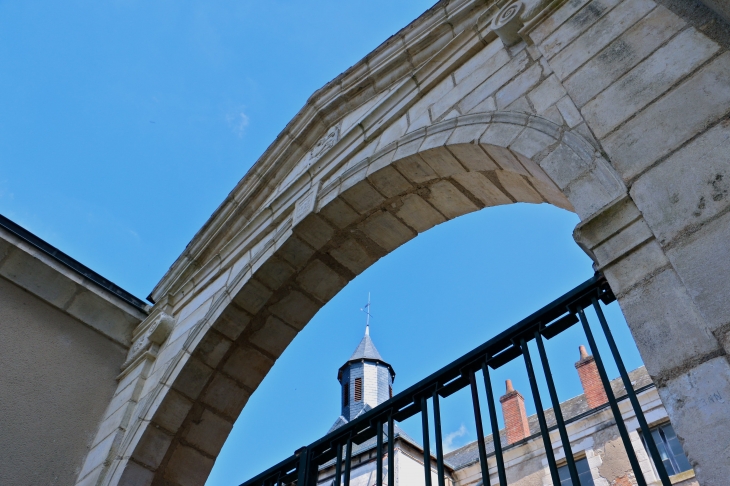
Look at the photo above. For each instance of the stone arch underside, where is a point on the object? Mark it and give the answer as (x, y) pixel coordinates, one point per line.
(358, 215)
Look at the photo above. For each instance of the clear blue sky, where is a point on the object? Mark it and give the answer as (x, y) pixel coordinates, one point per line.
(125, 123)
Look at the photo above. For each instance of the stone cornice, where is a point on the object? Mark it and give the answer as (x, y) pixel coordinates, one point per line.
(405, 61)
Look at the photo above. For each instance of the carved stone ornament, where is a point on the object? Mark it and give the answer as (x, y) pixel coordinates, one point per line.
(507, 23)
(158, 330)
(324, 144)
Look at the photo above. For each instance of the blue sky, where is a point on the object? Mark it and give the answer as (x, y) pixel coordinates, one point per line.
(125, 123)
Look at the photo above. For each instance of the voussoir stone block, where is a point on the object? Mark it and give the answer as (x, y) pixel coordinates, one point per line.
(363, 197)
(208, 432)
(171, 413)
(295, 309)
(274, 336)
(473, 157)
(188, 467)
(449, 200)
(321, 281)
(415, 169)
(225, 395)
(389, 182)
(385, 230)
(248, 366)
(482, 188)
(418, 214)
(252, 296)
(353, 256)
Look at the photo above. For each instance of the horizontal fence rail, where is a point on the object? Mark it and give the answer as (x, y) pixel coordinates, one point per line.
(568, 310)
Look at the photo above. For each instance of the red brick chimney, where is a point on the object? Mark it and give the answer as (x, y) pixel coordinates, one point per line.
(591, 380)
(515, 418)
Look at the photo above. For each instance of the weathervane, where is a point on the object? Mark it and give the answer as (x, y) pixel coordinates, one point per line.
(366, 310)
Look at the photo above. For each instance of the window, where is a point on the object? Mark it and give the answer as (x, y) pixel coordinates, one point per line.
(584, 473)
(390, 391)
(346, 395)
(358, 389)
(670, 449)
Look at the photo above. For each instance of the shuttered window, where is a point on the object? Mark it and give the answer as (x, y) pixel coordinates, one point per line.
(358, 389)
(346, 395)
(390, 391)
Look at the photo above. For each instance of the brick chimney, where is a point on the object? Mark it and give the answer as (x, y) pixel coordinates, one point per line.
(590, 379)
(515, 418)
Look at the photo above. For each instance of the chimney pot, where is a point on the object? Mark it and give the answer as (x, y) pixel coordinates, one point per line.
(590, 379)
(515, 417)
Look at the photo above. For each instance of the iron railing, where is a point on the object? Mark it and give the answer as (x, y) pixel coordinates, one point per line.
(302, 467)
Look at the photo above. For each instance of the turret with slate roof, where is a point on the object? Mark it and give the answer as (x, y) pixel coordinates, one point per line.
(366, 379)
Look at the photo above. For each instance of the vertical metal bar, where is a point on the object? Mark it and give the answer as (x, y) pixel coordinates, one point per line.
(612, 401)
(439, 444)
(338, 466)
(540, 414)
(391, 451)
(379, 454)
(556, 410)
(632, 396)
(497, 440)
(480, 429)
(426, 442)
(348, 460)
(303, 467)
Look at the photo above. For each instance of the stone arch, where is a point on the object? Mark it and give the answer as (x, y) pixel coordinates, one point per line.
(219, 352)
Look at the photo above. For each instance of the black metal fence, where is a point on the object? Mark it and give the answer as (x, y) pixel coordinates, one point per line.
(302, 468)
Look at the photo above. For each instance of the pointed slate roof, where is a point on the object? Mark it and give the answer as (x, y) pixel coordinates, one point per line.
(366, 351)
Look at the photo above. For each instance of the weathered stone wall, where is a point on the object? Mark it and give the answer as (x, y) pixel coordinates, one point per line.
(615, 109)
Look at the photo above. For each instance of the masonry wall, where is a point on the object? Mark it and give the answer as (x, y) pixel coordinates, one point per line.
(58, 376)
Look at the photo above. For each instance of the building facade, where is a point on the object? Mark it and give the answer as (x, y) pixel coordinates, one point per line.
(598, 451)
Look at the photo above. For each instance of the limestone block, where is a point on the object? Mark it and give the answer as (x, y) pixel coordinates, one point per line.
(552, 22)
(232, 322)
(248, 366)
(116, 421)
(689, 188)
(483, 106)
(502, 73)
(395, 131)
(575, 26)
(274, 272)
(438, 138)
(500, 135)
(353, 256)
(661, 314)
(418, 214)
(468, 132)
(339, 213)
(152, 446)
(320, 281)
(252, 296)
(225, 396)
(362, 197)
(478, 61)
(385, 230)
(648, 80)
(415, 169)
(473, 157)
(518, 86)
(531, 142)
(699, 403)
(563, 166)
(599, 35)
(679, 115)
(546, 94)
(633, 235)
(570, 113)
(449, 200)
(482, 188)
(171, 413)
(620, 214)
(133, 475)
(314, 231)
(622, 54)
(295, 251)
(592, 191)
(192, 378)
(506, 159)
(208, 433)
(389, 182)
(703, 263)
(188, 467)
(295, 309)
(520, 105)
(442, 161)
(518, 188)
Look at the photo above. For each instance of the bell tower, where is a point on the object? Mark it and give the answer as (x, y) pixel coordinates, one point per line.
(366, 379)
